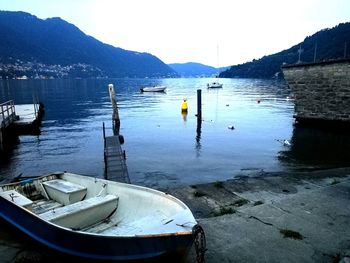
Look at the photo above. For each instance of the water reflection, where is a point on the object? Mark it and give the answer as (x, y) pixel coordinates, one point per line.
(317, 148)
(198, 145)
(184, 115)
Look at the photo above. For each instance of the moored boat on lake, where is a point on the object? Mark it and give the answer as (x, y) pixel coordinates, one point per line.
(96, 218)
(153, 89)
(214, 85)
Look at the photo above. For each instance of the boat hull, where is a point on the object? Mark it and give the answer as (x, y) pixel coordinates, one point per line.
(214, 85)
(93, 246)
(146, 223)
(153, 89)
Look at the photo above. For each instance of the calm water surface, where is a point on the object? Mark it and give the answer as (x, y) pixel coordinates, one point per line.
(164, 147)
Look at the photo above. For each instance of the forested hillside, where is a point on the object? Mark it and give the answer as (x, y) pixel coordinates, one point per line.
(28, 44)
(326, 44)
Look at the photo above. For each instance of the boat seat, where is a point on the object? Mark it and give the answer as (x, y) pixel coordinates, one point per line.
(64, 192)
(42, 206)
(17, 198)
(83, 213)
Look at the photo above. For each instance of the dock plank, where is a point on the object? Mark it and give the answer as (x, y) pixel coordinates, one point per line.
(115, 165)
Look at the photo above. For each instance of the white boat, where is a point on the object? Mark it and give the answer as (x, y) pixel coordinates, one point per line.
(98, 219)
(153, 89)
(214, 85)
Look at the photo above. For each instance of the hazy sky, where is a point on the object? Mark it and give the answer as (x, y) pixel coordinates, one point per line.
(211, 32)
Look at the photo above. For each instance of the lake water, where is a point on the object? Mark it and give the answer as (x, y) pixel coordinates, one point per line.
(164, 147)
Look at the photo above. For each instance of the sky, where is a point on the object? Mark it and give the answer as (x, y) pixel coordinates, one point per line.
(212, 32)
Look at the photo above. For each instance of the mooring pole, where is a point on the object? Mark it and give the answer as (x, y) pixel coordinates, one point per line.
(199, 104)
(115, 117)
(199, 121)
(104, 135)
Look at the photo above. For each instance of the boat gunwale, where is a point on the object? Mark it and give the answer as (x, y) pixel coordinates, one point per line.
(131, 186)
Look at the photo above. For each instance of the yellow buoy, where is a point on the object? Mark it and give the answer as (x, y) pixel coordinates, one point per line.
(184, 107)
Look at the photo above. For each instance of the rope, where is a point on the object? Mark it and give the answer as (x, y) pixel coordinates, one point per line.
(199, 242)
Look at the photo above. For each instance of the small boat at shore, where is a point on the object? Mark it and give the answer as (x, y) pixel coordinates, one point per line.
(214, 85)
(153, 89)
(98, 219)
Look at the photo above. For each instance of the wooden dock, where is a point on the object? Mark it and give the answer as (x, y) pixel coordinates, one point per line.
(19, 120)
(29, 118)
(114, 156)
(115, 160)
(7, 114)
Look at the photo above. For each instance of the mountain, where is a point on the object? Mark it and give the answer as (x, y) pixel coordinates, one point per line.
(331, 43)
(31, 43)
(192, 69)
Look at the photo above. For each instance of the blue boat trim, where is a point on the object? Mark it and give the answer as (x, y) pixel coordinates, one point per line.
(72, 252)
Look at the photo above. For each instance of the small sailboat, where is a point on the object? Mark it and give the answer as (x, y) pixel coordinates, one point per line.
(215, 84)
(98, 219)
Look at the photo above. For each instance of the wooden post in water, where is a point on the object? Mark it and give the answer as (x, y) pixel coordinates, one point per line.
(199, 104)
(199, 120)
(115, 117)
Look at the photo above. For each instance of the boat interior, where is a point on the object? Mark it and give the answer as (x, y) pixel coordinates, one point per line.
(96, 206)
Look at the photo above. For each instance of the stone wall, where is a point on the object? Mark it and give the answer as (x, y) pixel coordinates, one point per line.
(321, 90)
